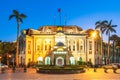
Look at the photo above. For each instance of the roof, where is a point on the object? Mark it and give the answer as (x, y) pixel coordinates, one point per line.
(75, 29)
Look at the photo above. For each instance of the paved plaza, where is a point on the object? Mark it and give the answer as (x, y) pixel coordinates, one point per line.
(32, 75)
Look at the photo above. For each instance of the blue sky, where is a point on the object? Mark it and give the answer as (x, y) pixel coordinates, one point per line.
(83, 13)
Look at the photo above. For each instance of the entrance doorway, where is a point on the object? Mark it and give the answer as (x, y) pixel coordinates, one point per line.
(60, 61)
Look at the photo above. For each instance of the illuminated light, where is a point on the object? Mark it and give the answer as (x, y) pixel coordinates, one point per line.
(64, 52)
(40, 59)
(9, 56)
(47, 40)
(55, 47)
(59, 28)
(60, 49)
(64, 47)
(94, 34)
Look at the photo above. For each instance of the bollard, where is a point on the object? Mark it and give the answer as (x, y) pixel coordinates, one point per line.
(13, 69)
(114, 70)
(105, 70)
(94, 69)
(25, 69)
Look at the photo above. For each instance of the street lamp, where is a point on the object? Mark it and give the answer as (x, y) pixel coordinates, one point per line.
(13, 61)
(8, 57)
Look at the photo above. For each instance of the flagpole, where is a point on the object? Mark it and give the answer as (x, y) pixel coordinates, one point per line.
(59, 10)
(54, 20)
(65, 19)
(60, 17)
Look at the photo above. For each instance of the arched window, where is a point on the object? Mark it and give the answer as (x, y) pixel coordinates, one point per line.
(40, 60)
(47, 61)
(72, 61)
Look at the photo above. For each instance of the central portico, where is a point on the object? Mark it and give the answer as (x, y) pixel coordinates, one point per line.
(60, 55)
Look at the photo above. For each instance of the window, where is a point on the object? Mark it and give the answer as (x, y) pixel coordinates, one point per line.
(73, 47)
(81, 47)
(47, 61)
(90, 60)
(70, 48)
(77, 45)
(38, 48)
(90, 52)
(49, 47)
(90, 45)
(72, 61)
(29, 44)
(45, 47)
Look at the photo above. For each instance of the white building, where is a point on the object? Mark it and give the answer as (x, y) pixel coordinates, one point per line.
(59, 45)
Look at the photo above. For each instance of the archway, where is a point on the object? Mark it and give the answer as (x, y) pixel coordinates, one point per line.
(47, 61)
(40, 60)
(72, 61)
(60, 61)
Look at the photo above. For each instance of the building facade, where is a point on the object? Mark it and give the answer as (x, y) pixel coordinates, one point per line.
(59, 45)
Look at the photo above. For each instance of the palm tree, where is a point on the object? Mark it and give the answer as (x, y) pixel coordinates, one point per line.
(109, 29)
(18, 18)
(101, 25)
(114, 39)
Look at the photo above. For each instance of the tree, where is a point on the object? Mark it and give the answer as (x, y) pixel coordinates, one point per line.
(6, 49)
(101, 25)
(114, 39)
(109, 29)
(18, 18)
(118, 49)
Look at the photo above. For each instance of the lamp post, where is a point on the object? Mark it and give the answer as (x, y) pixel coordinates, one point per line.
(13, 61)
(8, 58)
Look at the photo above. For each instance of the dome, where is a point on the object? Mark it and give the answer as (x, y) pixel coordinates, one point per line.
(60, 44)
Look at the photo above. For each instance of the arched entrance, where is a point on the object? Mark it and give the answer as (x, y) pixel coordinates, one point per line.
(60, 61)
(47, 61)
(72, 61)
(40, 60)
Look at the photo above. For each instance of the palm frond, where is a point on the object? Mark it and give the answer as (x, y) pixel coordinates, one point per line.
(20, 20)
(113, 30)
(15, 12)
(11, 16)
(104, 22)
(98, 22)
(98, 26)
(23, 16)
(107, 31)
(113, 25)
(110, 23)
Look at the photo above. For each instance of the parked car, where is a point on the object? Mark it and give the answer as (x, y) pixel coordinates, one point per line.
(110, 66)
(3, 65)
